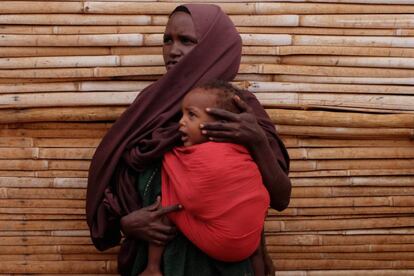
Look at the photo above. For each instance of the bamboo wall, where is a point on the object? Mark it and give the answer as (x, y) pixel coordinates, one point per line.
(335, 76)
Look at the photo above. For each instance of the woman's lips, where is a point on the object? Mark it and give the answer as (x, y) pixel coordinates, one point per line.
(171, 64)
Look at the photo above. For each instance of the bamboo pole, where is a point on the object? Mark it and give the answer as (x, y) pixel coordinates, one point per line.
(324, 87)
(353, 172)
(64, 143)
(32, 203)
(60, 173)
(17, 173)
(344, 264)
(81, 19)
(354, 41)
(317, 31)
(358, 21)
(61, 154)
(47, 153)
(321, 224)
(338, 132)
(392, 181)
(75, 51)
(13, 7)
(323, 71)
(323, 211)
(327, 143)
(398, 201)
(69, 165)
(44, 225)
(360, 272)
(116, 7)
(343, 240)
(76, 211)
(393, 231)
(74, 86)
(347, 256)
(83, 73)
(68, 30)
(346, 80)
(335, 119)
(60, 125)
(352, 164)
(72, 40)
(342, 248)
(12, 142)
(85, 29)
(380, 62)
(332, 192)
(22, 218)
(107, 113)
(351, 153)
(97, 267)
(331, 50)
(54, 133)
(42, 193)
(31, 257)
(81, 61)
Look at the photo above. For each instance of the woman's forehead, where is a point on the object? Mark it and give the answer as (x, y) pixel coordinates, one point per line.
(182, 23)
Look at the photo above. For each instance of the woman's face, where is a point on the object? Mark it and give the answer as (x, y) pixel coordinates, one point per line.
(179, 38)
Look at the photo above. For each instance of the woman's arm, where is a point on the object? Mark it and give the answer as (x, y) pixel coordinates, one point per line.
(244, 129)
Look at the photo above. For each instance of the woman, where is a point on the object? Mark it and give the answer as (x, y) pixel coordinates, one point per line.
(200, 44)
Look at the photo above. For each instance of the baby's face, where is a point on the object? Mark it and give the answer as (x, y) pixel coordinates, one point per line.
(194, 113)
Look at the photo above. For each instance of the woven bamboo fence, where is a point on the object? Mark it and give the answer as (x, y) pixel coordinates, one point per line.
(336, 77)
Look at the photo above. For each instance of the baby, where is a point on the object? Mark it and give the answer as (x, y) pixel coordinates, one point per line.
(218, 184)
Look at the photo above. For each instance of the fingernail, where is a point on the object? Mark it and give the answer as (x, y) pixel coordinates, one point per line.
(180, 206)
(204, 131)
(201, 125)
(208, 109)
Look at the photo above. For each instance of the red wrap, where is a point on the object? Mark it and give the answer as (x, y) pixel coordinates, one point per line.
(224, 200)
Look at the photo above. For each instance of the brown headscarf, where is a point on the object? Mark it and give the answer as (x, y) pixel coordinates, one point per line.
(148, 128)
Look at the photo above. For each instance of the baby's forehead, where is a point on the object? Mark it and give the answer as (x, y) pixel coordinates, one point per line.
(202, 97)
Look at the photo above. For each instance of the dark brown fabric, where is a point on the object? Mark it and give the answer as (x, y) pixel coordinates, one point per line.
(148, 128)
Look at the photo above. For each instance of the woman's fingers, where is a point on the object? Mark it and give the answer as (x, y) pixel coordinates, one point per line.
(159, 238)
(220, 134)
(155, 205)
(242, 105)
(161, 211)
(163, 233)
(223, 126)
(223, 114)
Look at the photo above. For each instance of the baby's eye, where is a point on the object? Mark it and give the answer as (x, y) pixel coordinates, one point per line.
(167, 39)
(191, 114)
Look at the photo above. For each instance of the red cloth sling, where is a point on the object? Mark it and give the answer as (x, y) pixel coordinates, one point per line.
(224, 200)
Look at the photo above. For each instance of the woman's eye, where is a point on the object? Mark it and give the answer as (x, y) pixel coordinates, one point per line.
(186, 40)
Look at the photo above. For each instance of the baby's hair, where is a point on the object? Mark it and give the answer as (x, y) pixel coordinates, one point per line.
(224, 93)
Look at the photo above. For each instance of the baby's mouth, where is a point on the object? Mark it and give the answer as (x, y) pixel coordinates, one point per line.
(184, 137)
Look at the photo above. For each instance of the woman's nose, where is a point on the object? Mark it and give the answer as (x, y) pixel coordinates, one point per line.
(175, 50)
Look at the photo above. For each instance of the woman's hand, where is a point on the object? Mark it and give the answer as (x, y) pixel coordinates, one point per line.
(236, 128)
(148, 224)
